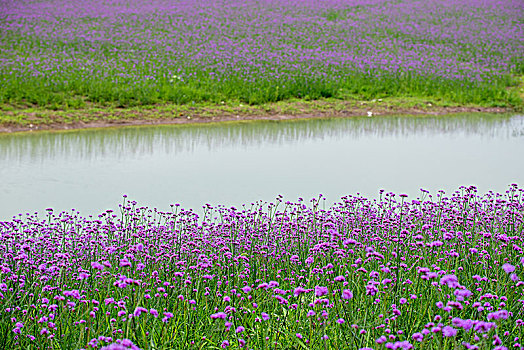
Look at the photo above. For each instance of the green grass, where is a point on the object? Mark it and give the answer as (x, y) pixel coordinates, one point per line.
(78, 94)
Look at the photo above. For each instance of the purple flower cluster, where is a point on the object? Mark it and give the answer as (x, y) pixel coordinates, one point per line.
(388, 273)
(113, 49)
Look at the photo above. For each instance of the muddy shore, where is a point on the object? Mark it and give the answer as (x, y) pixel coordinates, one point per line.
(118, 118)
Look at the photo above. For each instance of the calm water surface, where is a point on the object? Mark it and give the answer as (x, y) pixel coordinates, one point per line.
(232, 164)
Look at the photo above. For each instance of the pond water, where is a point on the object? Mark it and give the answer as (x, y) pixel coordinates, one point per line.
(237, 163)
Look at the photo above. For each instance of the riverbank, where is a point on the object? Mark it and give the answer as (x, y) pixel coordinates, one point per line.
(26, 118)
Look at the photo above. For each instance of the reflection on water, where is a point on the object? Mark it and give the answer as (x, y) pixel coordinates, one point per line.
(146, 140)
(236, 163)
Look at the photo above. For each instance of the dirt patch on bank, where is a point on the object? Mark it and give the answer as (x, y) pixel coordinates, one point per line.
(99, 118)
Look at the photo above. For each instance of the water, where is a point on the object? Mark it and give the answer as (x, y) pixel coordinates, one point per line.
(232, 164)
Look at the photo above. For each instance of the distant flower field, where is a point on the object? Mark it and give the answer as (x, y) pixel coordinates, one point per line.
(66, 53)
(439, 272)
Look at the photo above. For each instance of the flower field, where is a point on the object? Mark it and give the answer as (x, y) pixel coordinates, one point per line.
(65, 53)
(437, 272)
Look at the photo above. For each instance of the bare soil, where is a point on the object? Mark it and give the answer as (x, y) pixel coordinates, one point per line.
(149, 117)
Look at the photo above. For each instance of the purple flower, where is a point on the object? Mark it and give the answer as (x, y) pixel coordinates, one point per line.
(240, 329)
(484, 327)
(418, 337)
(124, 344)
(265, 316)
(448, 331)
(167, 316)
(96, 265)
(450, 280)
(469, 346)
(298, 291)
(220, 315)
(124, 262)
(508, 268)
(497, 315)
(139, 310)
(464, 324)
(404, 345)
(462, 294)
(347, 294)
(320, 291)
(381, 340)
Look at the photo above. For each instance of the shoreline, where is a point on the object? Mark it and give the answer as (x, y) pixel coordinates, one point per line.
(34, 120)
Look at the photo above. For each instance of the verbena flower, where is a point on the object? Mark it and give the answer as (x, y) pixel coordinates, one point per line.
(220, 315)
(448, 331)
(450, 280)
(508, 268)
(347, 294)
(298, 291)
(321, 291)
(418, 337)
